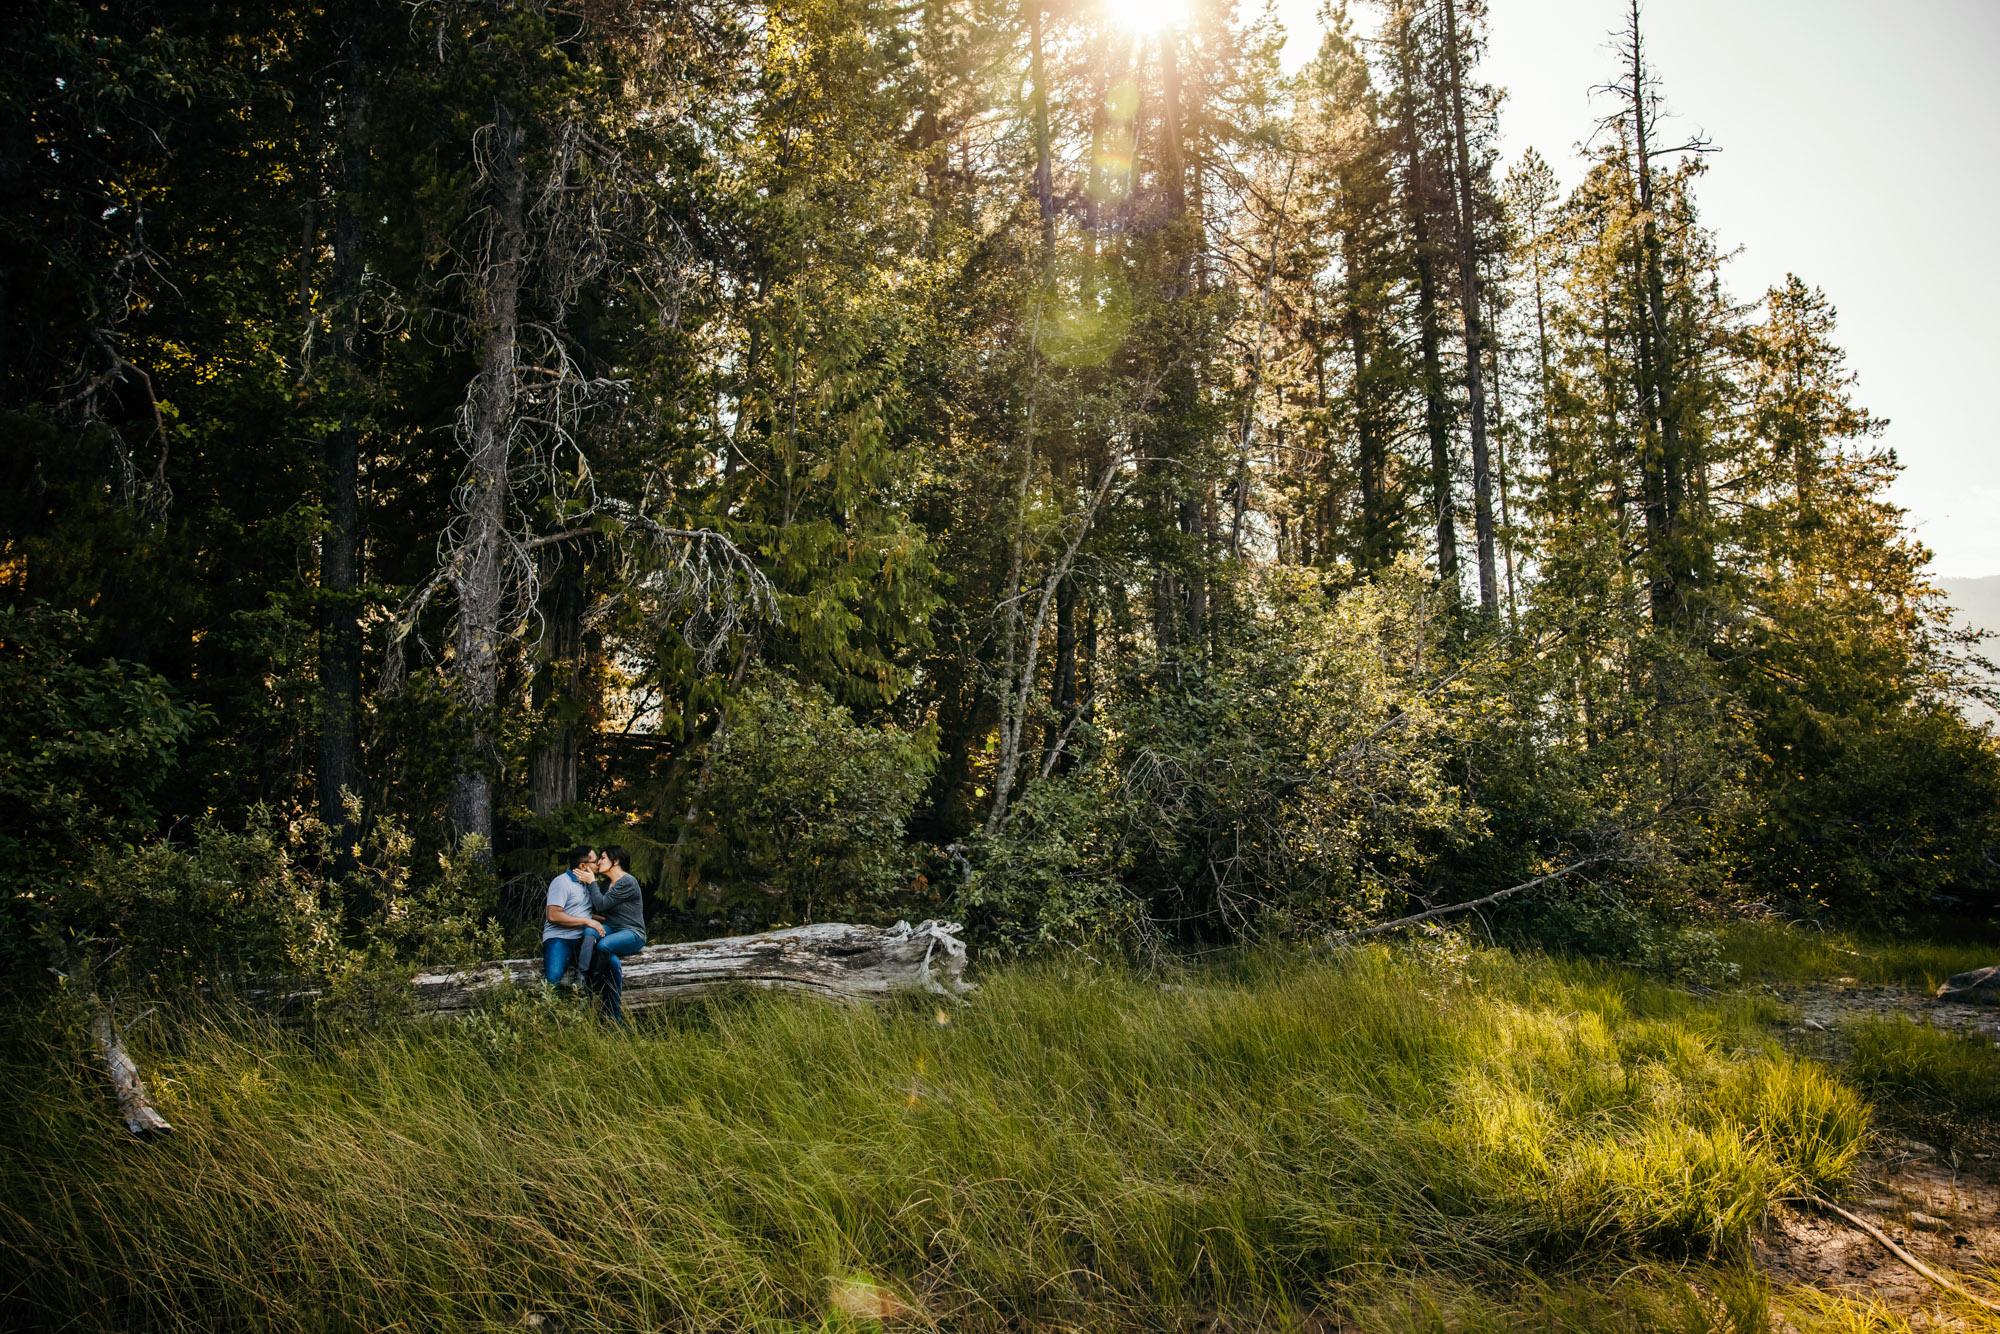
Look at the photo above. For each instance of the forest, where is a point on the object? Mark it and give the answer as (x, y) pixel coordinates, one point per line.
(1032, 464)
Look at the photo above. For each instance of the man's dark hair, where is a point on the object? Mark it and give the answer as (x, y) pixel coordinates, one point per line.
(622, 858)
(579, 853)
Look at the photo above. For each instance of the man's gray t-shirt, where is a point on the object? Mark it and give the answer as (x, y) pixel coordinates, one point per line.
(573, 897)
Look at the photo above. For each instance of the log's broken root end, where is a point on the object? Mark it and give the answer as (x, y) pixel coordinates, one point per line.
(134, 1103)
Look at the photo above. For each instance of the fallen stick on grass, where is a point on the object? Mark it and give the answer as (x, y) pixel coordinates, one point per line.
(1912, 1261)
(1342, 937)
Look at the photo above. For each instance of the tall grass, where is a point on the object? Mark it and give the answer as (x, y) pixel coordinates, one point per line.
(1801, 952)
(1897, 1055)
(1080, 1149)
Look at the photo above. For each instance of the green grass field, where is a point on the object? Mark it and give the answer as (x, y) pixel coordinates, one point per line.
(1483, 1144)
(1778, 953)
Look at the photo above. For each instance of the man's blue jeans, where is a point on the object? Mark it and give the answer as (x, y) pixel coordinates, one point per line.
(607, 977)
(557, 955)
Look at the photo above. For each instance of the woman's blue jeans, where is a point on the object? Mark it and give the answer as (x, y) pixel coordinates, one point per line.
(609, 980)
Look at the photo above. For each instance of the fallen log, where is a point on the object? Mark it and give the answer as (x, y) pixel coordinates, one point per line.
(829, 959)
(133, 1101)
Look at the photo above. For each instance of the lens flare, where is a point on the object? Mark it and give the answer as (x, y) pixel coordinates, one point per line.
(1147, 16)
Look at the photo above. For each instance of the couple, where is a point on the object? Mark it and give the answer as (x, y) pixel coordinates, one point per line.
(594, 927)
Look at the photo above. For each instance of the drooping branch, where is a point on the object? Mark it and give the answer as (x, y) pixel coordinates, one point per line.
(1452, 910)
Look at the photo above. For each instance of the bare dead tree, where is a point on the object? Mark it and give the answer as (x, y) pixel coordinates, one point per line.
(547, 228)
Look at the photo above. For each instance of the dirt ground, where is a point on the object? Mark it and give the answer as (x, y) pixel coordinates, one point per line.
(1823, 1006)
(1946, 1216)
(1942, 1205)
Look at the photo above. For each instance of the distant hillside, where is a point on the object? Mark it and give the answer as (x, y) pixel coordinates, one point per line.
(1976, 603)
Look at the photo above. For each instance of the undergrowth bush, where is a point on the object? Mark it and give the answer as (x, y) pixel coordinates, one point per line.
(233, 909)
(805, 807)
(1088, 1147)
(1642, 938)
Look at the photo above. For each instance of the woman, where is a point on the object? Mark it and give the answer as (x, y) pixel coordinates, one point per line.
(621, 908)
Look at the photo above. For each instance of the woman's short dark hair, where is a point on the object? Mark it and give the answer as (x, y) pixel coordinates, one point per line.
(580, 854)
(620, 857)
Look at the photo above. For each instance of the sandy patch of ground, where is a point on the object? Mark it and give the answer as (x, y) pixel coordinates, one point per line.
(1823, 1006)
(1946, 1216)
(1943, 1206)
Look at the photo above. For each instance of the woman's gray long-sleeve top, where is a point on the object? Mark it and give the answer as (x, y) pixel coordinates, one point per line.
(621, 907)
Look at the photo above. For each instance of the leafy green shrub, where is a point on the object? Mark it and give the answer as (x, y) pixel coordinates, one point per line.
(230, 909)
(223, 907)
(1304, 779)
(1051, 879)
(1874, 816)
(804, 808)
(83, 748)
(1639, 938)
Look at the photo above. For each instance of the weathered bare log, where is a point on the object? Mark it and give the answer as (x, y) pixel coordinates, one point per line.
(830, 959)
(133, 1100)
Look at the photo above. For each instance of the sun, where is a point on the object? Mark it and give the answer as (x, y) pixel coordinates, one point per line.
(1146, 16)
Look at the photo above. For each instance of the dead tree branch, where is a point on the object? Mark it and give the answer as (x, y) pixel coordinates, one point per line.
(1343, 937)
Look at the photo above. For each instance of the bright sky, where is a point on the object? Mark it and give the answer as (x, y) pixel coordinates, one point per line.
(1857, 140)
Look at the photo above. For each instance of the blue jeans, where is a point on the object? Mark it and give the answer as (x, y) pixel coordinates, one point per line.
(607, 978)
(557, 955)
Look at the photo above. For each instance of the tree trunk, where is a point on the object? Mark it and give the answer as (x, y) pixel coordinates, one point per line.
(1371, 462)
(1045, 181)
(1063, 695)
(480, 579)
(1500, 479)
(1436, 414)
(553, 765)
(830, 959)
(1172, 161)
(340, 543)
(1468, 271)
(1664, 464)
(1543, 417)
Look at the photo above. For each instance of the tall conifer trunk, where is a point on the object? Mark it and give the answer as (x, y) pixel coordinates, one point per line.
(1371, 449)
(1468, 270)
(1663, 468)
(340, 542)
(1437, 417)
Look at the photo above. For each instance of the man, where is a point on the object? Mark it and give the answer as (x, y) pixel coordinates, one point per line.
(621, 908)
(568, 915)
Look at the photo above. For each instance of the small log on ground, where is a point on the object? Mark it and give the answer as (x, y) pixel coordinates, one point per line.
(133, 1100)
(830, 959)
